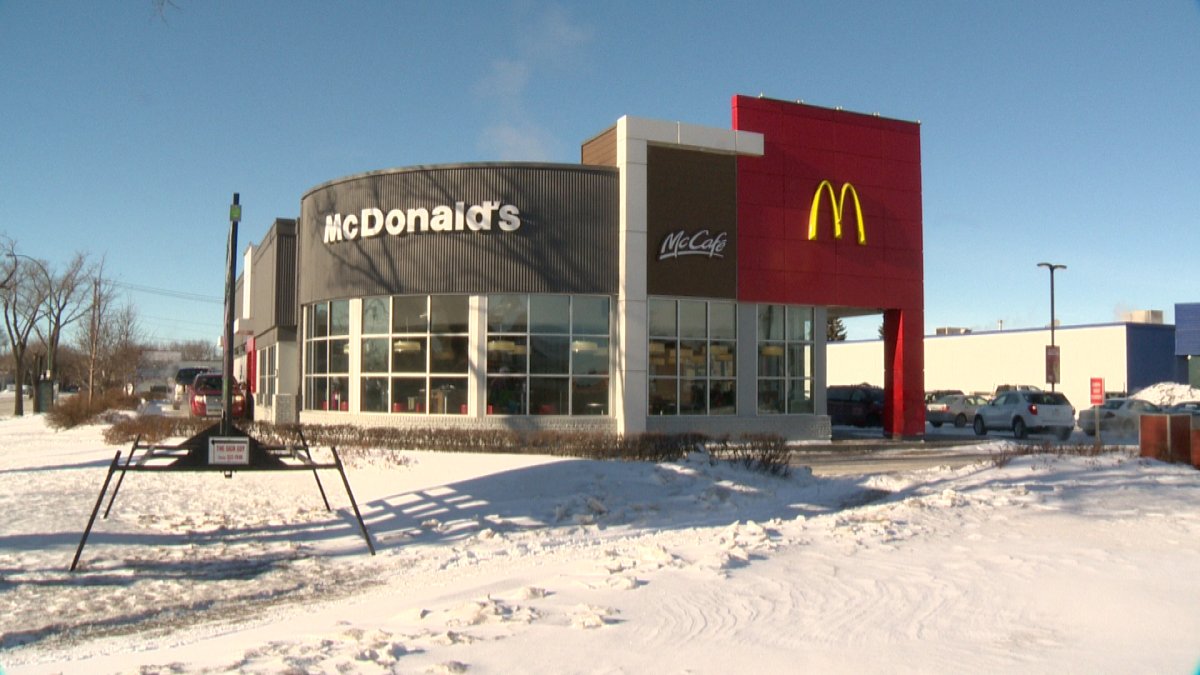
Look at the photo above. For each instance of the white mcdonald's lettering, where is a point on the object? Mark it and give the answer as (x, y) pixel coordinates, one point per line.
(680, 243)
(372, 221)
(838, 202)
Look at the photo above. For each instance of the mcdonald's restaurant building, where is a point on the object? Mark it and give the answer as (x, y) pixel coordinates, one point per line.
(678, 278)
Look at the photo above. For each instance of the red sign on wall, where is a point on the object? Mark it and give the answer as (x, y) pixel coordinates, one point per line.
(1097, 390)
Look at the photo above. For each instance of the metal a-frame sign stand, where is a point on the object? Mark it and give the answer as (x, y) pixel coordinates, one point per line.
(222, 447)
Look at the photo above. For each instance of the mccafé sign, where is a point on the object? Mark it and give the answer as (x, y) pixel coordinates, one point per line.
(838, 203)
(373, 221)
(683, 243)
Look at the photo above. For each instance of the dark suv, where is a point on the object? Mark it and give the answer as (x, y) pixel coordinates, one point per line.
(860, 405)
(183, 380)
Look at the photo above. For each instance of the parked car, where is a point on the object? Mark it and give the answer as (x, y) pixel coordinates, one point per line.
(1185, 408)
(206, 395)
(1116, 414)
(183, 383)
(956, 409)
(1005, 388)
(860, 405)
(931, 396)
(1026, 412)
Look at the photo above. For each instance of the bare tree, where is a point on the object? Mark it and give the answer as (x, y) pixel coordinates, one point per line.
(127, 347)
(195, 350)
(21, 305)
(94, 338)
(65, 303)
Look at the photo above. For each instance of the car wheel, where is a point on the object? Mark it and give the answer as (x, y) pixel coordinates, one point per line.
(960, 421)
(1064, 433)
(1090, 432)
(1019, 429)
(980, 427)
(936, 424)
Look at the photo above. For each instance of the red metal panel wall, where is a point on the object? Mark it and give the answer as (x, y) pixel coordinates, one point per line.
(804, 145)
(777, 262)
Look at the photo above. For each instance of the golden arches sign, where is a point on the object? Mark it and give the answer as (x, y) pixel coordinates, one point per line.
(838, 202)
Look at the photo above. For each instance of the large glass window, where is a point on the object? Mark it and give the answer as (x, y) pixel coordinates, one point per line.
(327, 356)
(413, 355)
(267, 377)
(419, 362)
(692, 357)
(785, 355)
(547, 355)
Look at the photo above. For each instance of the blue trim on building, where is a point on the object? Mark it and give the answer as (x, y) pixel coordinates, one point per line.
(1187, 329)
(1150, 356)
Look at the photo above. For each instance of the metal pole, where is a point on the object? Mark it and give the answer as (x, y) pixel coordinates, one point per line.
(235, 214)
(1052, 311)
(1052, 267)
(92, 520)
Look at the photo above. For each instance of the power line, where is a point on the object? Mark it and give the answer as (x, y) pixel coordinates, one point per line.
(180, 295)
(172, 320)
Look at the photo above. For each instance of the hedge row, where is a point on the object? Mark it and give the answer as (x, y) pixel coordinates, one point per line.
(766, 453)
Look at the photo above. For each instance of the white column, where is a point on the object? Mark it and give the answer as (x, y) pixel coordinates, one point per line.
(630, 377)
(354, 392)
(477, 329)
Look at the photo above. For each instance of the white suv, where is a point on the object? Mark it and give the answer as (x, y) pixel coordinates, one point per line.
(1026, 412)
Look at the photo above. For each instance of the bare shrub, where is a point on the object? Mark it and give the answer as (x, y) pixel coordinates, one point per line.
(1002, 458)
(72, 411)
(152, 428)
(765, 453)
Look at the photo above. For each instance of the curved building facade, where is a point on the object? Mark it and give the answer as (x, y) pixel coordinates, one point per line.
(677, 279)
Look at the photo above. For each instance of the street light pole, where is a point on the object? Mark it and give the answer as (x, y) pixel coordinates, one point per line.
(1052, 267)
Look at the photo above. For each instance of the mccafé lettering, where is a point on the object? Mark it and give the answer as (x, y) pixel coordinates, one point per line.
(681, 243)
(372, 222)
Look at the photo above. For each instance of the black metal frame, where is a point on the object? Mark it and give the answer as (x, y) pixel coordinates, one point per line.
(192, 455)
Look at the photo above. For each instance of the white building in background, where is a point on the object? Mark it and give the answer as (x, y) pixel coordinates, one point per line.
(1129, 356)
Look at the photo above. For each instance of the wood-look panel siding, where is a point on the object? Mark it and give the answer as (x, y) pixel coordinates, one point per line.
(600, 150)
(567, 241)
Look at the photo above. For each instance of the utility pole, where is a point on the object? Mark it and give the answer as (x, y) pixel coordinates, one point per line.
(93, 340)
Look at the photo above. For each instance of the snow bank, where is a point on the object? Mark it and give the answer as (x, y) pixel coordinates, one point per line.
(1168, 393)
(499, 564)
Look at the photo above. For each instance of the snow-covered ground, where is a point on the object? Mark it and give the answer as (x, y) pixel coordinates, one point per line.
(503, 564)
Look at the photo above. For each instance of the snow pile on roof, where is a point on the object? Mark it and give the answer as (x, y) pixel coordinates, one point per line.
(1168, 393)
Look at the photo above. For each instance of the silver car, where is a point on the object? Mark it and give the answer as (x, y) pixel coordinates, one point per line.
(1026, 412)
(1121, 415)
(956, 409)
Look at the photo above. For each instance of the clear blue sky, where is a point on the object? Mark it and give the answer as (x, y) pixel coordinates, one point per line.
(1059, 131)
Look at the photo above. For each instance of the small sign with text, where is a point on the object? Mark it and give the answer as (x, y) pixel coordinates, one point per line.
(229, 451)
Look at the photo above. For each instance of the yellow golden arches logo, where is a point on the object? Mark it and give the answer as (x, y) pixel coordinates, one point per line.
(838, 202)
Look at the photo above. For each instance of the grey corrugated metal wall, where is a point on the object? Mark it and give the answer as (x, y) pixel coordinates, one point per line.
(567, 241)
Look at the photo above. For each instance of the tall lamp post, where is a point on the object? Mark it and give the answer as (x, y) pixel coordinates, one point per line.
(1052, 267)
